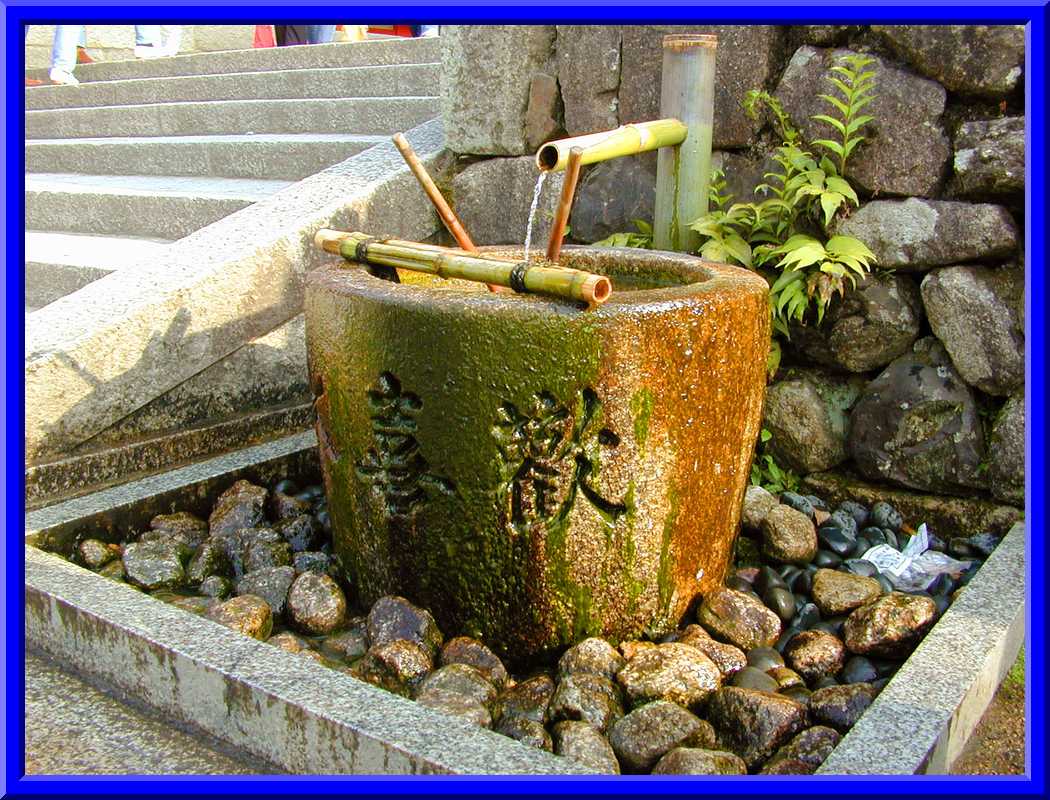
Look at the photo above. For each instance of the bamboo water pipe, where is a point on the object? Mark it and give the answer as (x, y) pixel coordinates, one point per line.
(568, 284)
(682, 174)
(568, 194)
(444, 210)
(626, 140)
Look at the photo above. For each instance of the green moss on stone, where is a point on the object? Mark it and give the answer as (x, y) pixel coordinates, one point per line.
(642, 412)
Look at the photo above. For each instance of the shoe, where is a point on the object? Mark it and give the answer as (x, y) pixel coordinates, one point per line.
(33, 82)
(83, 57)
(147, 51)
(63, 78)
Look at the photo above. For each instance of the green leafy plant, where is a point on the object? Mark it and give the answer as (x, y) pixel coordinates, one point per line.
(765, 471)
(642, 239)
(785, 237)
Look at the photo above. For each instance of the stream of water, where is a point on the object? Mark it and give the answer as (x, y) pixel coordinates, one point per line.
(532, 213)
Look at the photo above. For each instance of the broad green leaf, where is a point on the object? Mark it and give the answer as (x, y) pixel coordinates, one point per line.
(846, 90)
(785, 279)
(843, 245)
(738, 249)
(832, 122)
(643, 226)
(834, 147)
(830, 202)
(859, 122)
(841, 185)
(835, 102)
(832, 268)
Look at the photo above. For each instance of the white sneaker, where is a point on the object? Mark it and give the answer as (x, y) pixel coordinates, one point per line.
(62, 77)
(148, 51)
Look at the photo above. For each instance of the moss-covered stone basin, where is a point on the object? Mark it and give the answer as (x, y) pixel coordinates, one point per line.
(531, 472)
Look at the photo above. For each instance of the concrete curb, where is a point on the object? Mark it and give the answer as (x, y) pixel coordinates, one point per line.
(274, 705)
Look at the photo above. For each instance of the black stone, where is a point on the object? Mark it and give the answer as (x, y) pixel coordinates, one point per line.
(787, 572)
(844, 521)
(885, 667)
(983, 543)
(803, 583)
(942, 584)
(856, 510)
(835, 539)
(781, 601)
(286, 487)
(858, 669)
(886, 516)
(862, 546)
(764, 658)
(767, 579)
(808, 616)
(301, 532)
(786, 638)
(753, 678)
(936, 543)
(942, 601)
(827, 559)
(960, 548)
(311, 561)
(816, 502)
(824, 682)
(858, 566)
(797, 502)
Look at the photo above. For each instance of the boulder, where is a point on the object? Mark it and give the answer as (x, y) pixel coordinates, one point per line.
(754, 724)
(1006, 467)
(916, 425)
(588, 59)
(543, 112)
(891, 626)
(642, 737)
(906, 149)
(912, 235)
(982, 60)
(513, 182)
(989, 159)
(972, 311)
(738, 618)
(789, 536)
(866, 328)
(611, 195)
(674, 672)
(487, 72)
(748, 57)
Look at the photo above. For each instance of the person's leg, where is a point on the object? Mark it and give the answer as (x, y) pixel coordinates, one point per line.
(148, 35)
(171, 37)
(64, 53)
(319, 34)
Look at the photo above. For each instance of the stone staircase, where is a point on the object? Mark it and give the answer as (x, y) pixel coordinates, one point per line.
(146, 152)
(170, 210)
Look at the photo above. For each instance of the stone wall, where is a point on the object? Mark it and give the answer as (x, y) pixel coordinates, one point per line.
(916, 378)
(117, 42)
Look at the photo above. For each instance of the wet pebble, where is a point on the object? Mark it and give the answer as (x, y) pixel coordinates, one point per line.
(757, 503)
(737, 618)
(216, 586)
(891, 626)
(153, 565)
(460, 679)
(797, 502)
(288, 642)
(247, 614)
(831, 537)
(810, 747)
(781, 602)
(398, 666)
(528, 699)
(582, 743)
(752, 678)
(95, 554)
(240, 506)
(858, 669)
(348, 645)
(841, 706)
(316, 604)
(698, 761)
(883, 515)
(788, 536)
(728, 658)
(527, 732)
(271, 584)
(474, 653)
(642, 737)
(312, 561)
(594, 656)
(589, 698)
(301, 532)
(394, 617)
(674, 672)
(754, 724)
(837, 592)
(858, 566)
(764, 658)
(856, 510)
(814, 654)
(210, 559)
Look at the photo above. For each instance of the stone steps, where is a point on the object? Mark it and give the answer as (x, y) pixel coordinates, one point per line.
(361, 115)
(378, 52)
(325, 83)
(278, 156)
(165, 206)
(60, 263)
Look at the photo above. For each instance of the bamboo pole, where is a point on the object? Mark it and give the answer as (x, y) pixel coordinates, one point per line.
(682, 175)
(626, 140)
(448, 216)
(568, 194)
(568, 284)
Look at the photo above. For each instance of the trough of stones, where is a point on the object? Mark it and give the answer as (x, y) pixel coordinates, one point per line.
(303, 717)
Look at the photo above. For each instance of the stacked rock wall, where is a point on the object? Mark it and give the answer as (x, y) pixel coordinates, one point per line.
(916, 378)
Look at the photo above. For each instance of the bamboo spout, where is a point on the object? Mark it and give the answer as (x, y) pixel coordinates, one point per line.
(626, 140)
(568, 284)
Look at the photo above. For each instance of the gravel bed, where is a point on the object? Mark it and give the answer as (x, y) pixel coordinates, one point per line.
(764, 676)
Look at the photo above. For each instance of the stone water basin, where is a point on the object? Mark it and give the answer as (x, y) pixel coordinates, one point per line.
(531, 472)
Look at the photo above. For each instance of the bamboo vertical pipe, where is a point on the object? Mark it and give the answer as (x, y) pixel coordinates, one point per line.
(683, 173)
(448, 216)
(568, 194)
